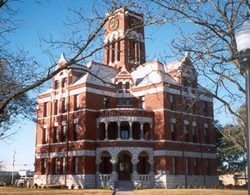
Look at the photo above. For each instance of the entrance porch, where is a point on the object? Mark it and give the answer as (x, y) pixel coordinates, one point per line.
(124, 164)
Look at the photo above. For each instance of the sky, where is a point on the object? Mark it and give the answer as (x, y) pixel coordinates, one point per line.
(41, 19)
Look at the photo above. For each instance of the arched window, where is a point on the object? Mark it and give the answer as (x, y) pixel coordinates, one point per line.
(127, 86)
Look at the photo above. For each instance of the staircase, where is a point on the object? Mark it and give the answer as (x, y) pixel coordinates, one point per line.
(124, 186)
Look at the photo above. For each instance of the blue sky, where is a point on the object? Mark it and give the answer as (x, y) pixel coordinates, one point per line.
(40, 20)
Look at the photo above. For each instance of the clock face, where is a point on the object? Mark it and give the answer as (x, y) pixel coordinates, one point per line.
(113, 24)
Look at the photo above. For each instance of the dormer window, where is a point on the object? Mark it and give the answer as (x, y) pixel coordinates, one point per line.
(127, 86)
(120, 88)
(56, 84)
(64, 82)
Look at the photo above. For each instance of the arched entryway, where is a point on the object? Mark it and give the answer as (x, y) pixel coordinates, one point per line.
(124, 166)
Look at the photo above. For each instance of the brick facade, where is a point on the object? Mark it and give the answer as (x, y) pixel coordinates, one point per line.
(149, 123)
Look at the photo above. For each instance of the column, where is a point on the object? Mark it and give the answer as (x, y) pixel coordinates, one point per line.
(151, 171)
(119, 130)
(130, 131)
(97, 171)
(97, 130)
(151, 131)
(113, 176)
(135, 178)
(142, 137)
(136, 51)
(106, 131)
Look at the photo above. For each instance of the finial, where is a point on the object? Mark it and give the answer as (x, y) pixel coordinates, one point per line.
(62, 58)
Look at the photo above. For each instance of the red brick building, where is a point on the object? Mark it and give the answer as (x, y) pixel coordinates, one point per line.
(126, 119)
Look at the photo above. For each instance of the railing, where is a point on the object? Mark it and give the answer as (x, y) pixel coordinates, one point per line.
(125, 112)
(104, 178)
(144, 177)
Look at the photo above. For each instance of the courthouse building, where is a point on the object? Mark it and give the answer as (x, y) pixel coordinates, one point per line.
(126, 119)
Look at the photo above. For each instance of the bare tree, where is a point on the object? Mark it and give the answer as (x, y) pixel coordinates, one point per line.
(212, 45)
(18, 72)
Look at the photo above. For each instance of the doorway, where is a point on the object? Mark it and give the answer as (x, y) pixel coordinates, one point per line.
(124, 166)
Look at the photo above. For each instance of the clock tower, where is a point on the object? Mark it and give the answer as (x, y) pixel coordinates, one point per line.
(124, 40)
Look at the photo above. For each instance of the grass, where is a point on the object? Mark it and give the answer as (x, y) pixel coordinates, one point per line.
(190, 192)
(27, 191)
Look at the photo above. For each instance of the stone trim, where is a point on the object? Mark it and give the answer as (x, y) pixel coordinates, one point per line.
(184, 154)
(64, 154)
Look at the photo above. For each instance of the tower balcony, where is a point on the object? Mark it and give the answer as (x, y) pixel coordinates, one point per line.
(124, 124)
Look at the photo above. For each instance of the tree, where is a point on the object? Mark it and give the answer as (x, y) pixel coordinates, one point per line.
(19, 72)
(212, 45)
(231, 146)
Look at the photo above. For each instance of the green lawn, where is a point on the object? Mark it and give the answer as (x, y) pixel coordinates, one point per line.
(27, 191)
(190, 192)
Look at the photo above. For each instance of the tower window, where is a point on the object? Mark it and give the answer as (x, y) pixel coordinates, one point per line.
(113, 52)
(118, 51)
(108, 52)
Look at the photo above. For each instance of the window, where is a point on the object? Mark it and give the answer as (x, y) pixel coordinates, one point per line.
(55, 135)
(186, 166)
(174, 166)
(113, 52)
(63, 165)
(173, 131)
(75, 165)
(75, 131)
(64, 82)
(196, 167)
(56, 107)
(56, 84)
(53, 166)
(206, 133)
(108, 50)
(194, 134)
(106, 102)
(205, 107)
(64, 106)
(46, 109)
(143, 102)
(124, 134)
(172, 102)
(45, 136)
(43, 166)
(125, 101)
(76, 102)
(186, 132)
(120, 87)
(127, 86)
(118, 51)
(208, 166)
(64, 133)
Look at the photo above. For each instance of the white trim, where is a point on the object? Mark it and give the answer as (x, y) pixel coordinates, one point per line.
(114, 94)
(65, 113)
(178, 112)
(184, 154)
(124, 118)
(64, 154)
